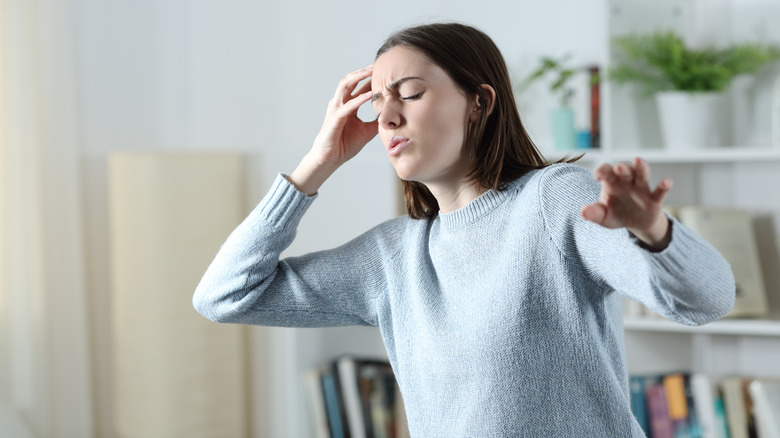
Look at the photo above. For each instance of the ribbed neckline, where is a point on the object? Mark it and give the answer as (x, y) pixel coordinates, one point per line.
(480, 206)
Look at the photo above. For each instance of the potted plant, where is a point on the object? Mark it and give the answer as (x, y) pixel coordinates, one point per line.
(562, 116)
(688, 83)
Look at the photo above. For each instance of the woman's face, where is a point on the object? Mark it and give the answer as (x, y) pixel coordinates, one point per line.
(423, 116)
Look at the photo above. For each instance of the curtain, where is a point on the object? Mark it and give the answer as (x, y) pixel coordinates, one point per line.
(45, 386)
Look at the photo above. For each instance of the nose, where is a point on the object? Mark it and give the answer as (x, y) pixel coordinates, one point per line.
(390, 115)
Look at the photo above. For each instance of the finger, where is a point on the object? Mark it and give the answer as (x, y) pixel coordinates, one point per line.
(624, 172)
(595, 213)
(603, 172)
(642, 177)
(362, 88)
(660, 192)
(368, 130)
(350, 81)
(352, 105)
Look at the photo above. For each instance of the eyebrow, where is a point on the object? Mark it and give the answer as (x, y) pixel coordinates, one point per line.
(395, 85)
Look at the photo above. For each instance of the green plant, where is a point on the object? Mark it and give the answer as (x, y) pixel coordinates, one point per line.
(561, 76)
(661, 62)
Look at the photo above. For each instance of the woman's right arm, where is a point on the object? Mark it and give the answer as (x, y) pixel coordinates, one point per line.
(246, 282)
(342, 135)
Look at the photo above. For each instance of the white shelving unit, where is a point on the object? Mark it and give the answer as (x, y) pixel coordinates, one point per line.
(736, 327)
(745, 176)
(728, 155)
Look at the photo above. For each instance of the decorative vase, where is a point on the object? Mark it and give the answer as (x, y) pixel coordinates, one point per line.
(564, 133)
(690, 120)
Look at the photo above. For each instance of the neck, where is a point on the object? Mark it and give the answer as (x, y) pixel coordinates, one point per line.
(454, 197)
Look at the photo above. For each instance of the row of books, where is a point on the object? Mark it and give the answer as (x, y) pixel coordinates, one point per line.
(685, 405)
(356, 398)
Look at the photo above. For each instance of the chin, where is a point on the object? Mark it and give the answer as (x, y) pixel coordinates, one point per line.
(403, 172)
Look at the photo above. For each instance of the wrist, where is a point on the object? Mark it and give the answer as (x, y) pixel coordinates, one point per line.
(310, 174)
(658, 236)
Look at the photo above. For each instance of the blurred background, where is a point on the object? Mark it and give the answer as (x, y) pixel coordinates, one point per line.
(89, 86)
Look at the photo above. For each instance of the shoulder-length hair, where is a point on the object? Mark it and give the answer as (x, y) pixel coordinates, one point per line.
(502, 148)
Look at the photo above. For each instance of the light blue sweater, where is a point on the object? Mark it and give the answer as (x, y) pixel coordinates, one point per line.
(500, 319)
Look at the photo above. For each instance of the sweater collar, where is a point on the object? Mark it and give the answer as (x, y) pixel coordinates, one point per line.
(480, 206)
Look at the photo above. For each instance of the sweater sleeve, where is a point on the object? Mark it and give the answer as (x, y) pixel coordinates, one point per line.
(247, 283)
(688, 282)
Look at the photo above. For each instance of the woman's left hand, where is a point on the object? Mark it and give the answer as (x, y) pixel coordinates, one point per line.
(627, 201)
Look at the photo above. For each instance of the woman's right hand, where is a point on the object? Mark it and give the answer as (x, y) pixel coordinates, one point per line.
(342, 135)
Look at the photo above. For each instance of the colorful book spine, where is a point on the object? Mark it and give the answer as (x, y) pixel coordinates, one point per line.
(677, 406)
(636, 385)
(595, 107)
(332, 405)
(660, 423)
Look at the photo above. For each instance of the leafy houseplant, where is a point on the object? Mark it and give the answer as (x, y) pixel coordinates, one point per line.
(561, 77)
(661, 64)
(562, 117)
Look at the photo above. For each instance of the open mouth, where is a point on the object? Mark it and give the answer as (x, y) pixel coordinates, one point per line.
(396, 145)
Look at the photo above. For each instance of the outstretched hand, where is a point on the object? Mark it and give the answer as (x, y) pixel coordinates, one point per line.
(628, 201)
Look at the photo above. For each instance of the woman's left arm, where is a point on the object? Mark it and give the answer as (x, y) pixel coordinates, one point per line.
(615, 229)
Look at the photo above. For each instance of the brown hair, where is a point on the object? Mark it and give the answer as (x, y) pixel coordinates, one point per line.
(502, 148)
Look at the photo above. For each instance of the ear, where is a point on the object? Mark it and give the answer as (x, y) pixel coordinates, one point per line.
(480, 106)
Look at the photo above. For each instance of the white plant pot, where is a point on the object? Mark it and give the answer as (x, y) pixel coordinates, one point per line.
(690, 120)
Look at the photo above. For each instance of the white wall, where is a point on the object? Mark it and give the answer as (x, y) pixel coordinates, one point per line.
(255, 76)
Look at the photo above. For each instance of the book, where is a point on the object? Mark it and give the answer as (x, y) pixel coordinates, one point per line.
(738, 407)
(694, 421)
(676, 404)
(660, 424)
(636, 386)
(371, 402)
(317, 403)
(730, 231)
(350, 391)
(720, 418)
(704, 402)
(595, 107)
(766, 400)
(333, 405)
(587, 106)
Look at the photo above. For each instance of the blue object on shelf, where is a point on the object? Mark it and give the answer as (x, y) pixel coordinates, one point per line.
(563, 128)
(583, 139)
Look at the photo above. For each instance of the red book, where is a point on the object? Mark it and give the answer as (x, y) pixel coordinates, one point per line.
(595, 108)
(660, 423)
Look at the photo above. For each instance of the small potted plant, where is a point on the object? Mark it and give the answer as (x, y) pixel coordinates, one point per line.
(562, 117)
(688, 83)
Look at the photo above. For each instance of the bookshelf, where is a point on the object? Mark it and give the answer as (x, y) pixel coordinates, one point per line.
(726, 155)
(744, 174)
(736, 327)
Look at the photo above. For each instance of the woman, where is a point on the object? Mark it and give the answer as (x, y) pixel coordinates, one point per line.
(498, 298)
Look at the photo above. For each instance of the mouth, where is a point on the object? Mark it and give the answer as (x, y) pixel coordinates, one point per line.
(396, 145)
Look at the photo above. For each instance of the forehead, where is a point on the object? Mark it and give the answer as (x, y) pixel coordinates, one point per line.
(400, 62)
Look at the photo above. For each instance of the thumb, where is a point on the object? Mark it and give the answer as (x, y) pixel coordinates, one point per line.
(369, 129)
(595, 213)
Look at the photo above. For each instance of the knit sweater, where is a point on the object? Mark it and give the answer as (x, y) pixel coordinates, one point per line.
(502, 318)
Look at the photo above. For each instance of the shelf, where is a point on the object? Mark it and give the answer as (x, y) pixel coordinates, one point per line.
(735, 154)
(737, 327)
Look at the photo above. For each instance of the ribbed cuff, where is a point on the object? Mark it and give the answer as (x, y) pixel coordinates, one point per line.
(284, 205)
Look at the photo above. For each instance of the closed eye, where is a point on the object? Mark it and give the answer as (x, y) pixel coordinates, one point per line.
(413, 97)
